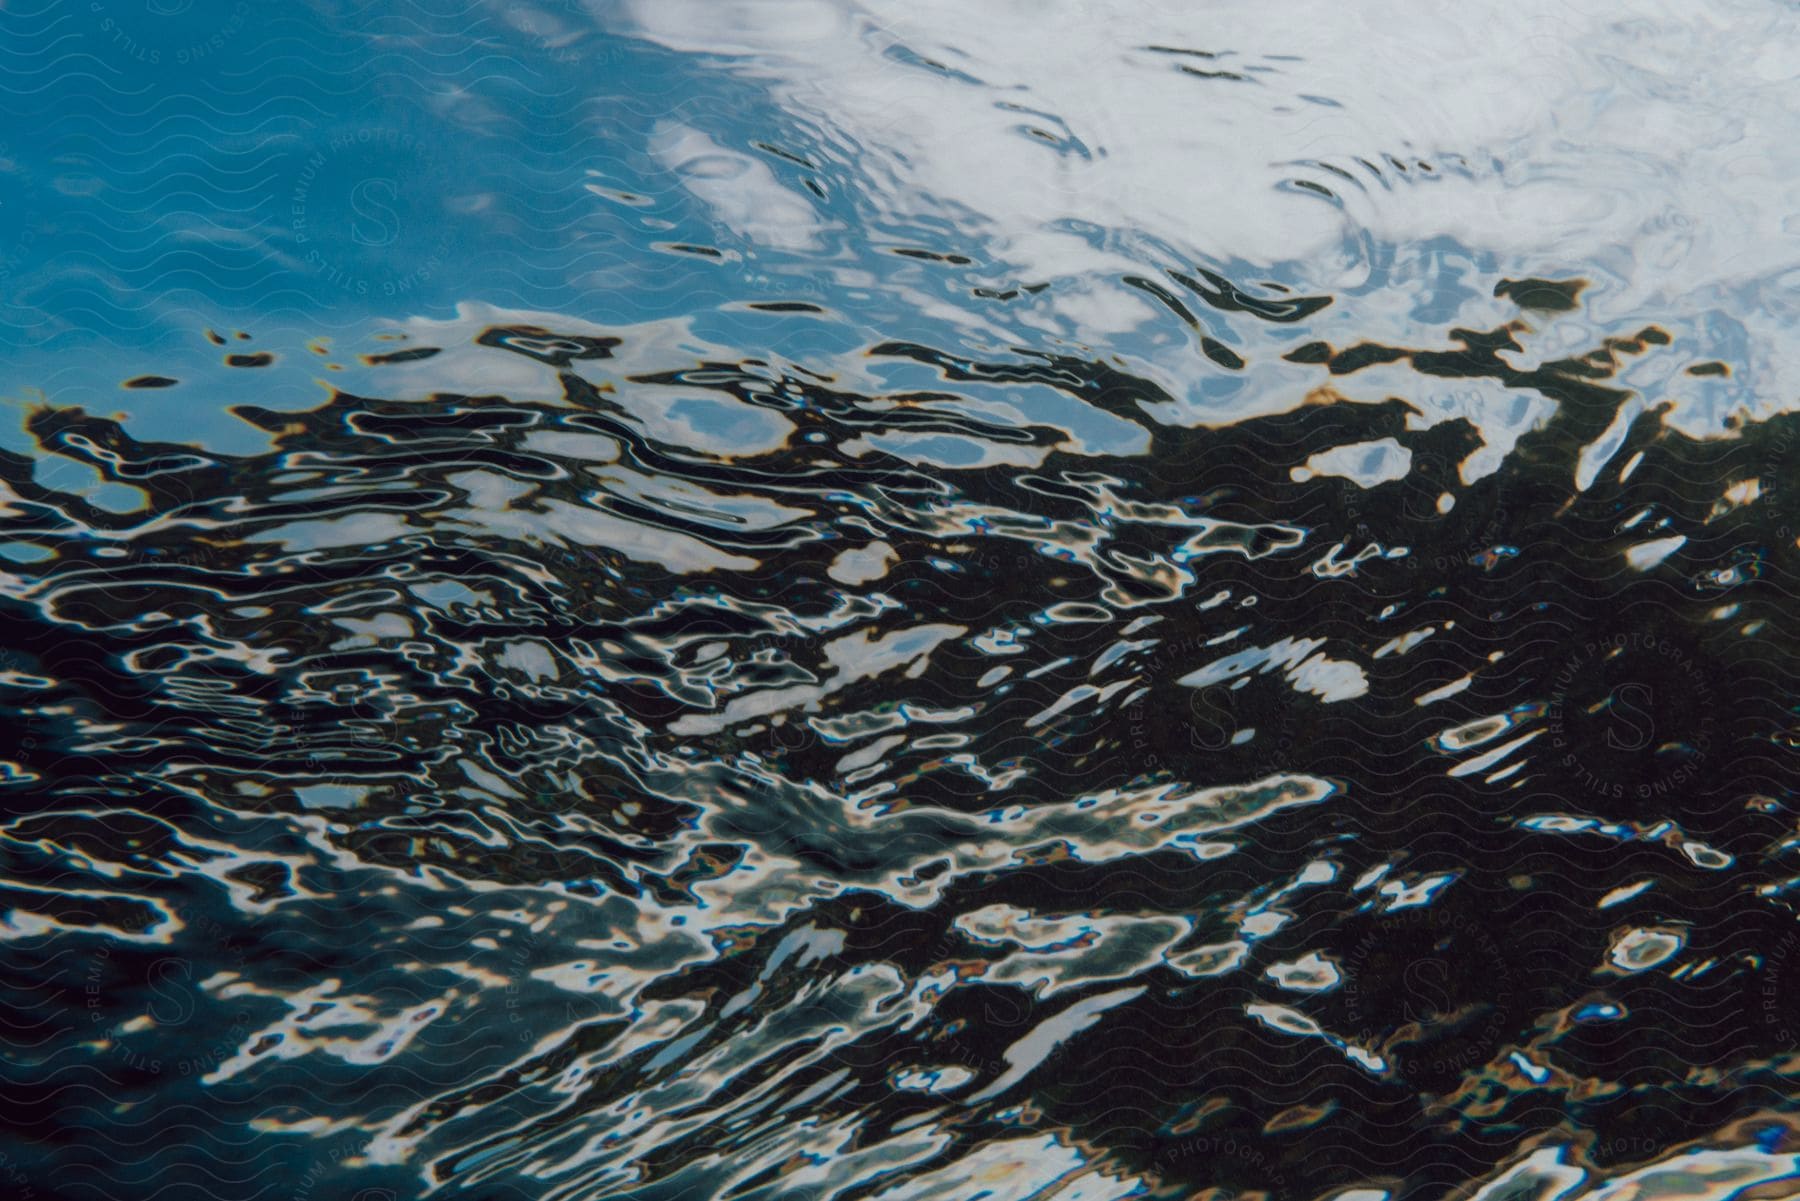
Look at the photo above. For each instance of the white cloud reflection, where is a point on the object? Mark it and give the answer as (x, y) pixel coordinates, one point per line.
(1644, 145)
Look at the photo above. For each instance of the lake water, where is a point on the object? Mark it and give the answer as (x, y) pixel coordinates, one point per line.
(789, 600)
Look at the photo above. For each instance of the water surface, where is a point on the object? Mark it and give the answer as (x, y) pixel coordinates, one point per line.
(818, 601)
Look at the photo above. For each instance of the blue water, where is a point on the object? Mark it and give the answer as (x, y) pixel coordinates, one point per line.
(796, 599)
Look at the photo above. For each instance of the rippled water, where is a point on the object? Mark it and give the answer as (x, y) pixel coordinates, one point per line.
(797, 600)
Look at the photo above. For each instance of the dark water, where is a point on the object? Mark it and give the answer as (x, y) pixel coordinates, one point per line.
(766, 745)
(498, 795)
